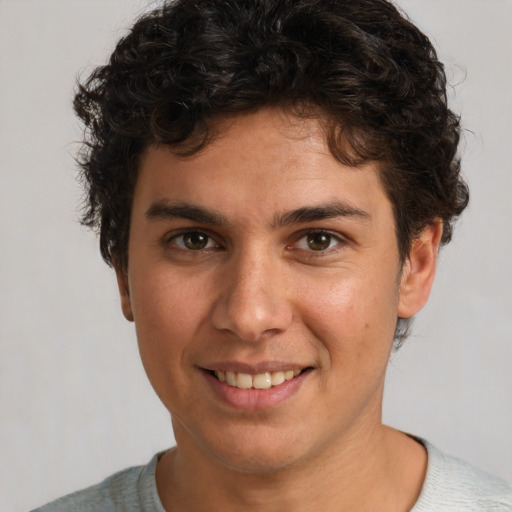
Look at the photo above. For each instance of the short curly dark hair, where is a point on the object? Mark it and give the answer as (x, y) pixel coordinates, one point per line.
(360, 66)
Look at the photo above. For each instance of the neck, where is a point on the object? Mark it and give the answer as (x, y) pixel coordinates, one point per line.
(378, 469)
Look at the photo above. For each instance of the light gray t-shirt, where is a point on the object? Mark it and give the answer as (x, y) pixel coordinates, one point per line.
(451, 485)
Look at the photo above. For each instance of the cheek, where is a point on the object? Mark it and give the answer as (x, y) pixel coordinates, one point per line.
(167, 317)
(163, 302)
(354, 317)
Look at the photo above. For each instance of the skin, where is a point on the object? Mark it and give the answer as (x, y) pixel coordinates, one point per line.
(270, 289)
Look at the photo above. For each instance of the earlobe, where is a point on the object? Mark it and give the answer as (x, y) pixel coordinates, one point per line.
(124, 292)
(419, 270)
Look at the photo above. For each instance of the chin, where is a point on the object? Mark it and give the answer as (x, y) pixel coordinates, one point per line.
(260, 451)
(257, 463)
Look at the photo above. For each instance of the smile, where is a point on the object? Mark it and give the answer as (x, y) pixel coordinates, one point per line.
(251, 388)
(264, 380)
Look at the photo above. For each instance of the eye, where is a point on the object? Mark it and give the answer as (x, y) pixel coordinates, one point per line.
(317, 241)
(193, 241)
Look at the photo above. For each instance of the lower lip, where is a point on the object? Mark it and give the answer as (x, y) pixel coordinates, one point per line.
(256, 399)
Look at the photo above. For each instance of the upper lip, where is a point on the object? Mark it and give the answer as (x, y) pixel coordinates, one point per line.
(253, 368)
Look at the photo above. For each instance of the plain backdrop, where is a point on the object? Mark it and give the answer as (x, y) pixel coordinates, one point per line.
(75, 404)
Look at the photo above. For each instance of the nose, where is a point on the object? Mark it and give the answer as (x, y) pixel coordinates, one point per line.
(253, 302)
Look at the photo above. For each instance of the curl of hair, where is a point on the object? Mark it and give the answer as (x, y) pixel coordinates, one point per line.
(359, 66)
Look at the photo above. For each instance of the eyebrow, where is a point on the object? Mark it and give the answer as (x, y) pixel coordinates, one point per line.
(319, 212)
(167, 211)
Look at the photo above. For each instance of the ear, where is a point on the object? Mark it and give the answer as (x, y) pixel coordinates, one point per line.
(124, 291)
(419, 270)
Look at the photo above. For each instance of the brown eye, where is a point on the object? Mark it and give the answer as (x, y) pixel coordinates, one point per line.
(319, 241)
(193, 241)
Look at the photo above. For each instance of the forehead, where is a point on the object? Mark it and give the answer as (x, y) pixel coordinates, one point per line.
(259, 163)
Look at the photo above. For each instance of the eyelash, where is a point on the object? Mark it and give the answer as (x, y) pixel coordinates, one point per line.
(332, 237)
(335, 238)
(172, 241)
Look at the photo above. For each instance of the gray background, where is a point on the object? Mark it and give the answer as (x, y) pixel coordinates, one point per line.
(75, 404)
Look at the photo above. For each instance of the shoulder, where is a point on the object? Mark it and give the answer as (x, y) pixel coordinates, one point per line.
(453, 485)
(132, 489)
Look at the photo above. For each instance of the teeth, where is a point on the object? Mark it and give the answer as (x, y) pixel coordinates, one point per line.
(231, 378)
(259, 381)
(277, 378)
(243, 381)
(262, 381)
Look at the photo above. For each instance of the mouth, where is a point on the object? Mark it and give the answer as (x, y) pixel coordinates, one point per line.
(256, 387)
(265, 380)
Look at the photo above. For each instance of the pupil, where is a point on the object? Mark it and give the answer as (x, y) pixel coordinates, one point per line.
(319, 241)
(195, 241)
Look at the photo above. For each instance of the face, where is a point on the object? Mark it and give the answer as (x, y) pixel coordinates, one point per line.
(264, 282)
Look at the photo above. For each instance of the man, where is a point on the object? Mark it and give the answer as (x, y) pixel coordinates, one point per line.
(272, 181)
